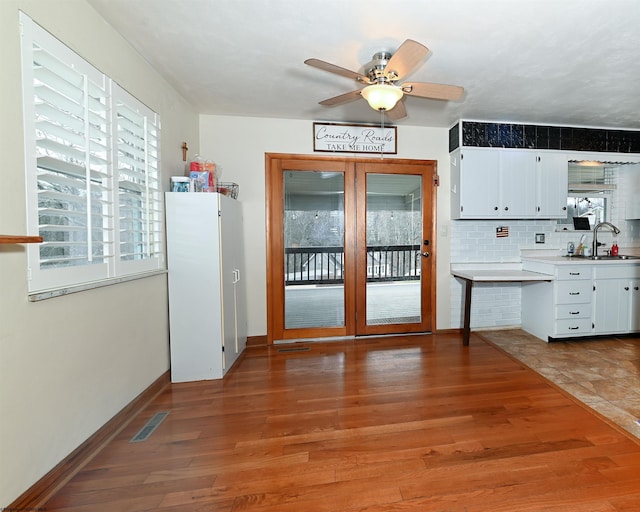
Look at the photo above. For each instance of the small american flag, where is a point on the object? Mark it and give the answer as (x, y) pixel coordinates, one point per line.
(502, 231)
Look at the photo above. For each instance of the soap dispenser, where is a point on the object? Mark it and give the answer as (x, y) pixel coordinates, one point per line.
(614, 248)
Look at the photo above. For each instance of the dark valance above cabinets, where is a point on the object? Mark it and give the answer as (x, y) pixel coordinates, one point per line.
(530, 136)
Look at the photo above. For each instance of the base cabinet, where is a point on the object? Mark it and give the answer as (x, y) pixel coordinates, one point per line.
(561, 308)
(634, 306)
(616, 295)
(584, 300)
(206, 292)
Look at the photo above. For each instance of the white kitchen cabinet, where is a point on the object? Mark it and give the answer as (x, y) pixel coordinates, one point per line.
(489, 183)
(474, 184)
(493, 183)
(552, 171)
(206, 292)
(616, 299)
(587, 298)
(517, 184)
(561, 308)
(634, 306)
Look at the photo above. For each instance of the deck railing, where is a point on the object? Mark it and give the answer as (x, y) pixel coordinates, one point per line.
(325, 265)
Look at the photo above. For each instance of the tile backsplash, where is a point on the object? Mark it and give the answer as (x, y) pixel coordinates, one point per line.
(529, 136)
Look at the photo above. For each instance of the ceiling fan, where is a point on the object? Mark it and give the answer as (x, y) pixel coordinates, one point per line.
(381, 76)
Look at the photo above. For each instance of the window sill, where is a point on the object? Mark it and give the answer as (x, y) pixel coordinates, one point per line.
(567, 228)
(20, 239)
(59, 292)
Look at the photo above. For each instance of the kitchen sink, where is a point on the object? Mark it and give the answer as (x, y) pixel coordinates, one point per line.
(605, 257)
(616, 257)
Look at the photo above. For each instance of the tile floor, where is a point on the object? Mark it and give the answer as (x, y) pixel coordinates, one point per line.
(603, 373)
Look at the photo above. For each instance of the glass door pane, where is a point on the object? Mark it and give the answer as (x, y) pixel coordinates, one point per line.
(314, 263)
(393, 244)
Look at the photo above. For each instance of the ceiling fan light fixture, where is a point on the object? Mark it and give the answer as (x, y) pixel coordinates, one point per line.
(381, 96)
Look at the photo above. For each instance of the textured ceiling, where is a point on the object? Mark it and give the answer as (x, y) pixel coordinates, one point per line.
(568, 62)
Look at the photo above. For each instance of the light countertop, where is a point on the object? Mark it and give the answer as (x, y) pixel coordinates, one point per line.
(577, 260)
(500, 275)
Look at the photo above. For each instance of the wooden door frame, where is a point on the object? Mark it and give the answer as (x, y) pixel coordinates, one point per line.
(274, 199)
(428, 183)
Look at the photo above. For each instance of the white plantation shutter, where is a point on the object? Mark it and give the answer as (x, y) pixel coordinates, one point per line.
(91, 170)
(139, 196)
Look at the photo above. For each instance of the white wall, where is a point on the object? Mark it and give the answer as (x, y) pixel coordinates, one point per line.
(69, 364)
(238, 145)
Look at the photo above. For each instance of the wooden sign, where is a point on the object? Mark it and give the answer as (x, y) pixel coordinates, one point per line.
(354, 138)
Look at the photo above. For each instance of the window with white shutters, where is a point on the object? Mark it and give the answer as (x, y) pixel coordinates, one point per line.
(139, 198)
(92, 170)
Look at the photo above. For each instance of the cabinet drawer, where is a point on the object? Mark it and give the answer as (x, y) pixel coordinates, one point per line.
(573, 292)
(616, 272)
(582, 310)
(577, 272)
(578, 326)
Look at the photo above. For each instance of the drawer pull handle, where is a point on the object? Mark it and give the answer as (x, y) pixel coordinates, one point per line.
(574, 273)
(574, 312)
(574, 293)
(574, 328)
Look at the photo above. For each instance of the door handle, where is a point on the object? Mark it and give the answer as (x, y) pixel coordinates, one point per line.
(426, 254)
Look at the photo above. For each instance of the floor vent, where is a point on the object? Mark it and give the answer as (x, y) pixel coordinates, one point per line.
(151, 425)
(294, 349)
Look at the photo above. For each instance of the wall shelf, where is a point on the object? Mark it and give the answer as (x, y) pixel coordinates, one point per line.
(20, 239)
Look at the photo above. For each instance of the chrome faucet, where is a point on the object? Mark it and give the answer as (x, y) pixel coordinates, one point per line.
(595, 235)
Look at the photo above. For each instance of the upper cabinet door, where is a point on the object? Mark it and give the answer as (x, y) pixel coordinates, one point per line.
(517, 184)
(489, 183)
(475, 184)
(552, 185)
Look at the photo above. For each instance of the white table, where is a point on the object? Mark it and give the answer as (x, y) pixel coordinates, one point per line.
(478, 275)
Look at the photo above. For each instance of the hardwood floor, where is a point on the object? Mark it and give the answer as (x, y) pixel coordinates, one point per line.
(601, 372)
(386, 425)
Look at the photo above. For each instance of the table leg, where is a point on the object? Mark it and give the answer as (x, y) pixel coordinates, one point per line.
(466, 330)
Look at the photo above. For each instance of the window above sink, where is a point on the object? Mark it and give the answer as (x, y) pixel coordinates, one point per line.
(590, 185)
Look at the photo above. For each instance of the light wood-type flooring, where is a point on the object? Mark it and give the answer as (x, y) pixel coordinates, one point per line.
(415, 423)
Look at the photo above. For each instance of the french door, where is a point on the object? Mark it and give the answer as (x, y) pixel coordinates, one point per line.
(349, 246)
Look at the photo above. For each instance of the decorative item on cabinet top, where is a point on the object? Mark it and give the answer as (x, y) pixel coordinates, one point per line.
(228, 189)
(200, 183)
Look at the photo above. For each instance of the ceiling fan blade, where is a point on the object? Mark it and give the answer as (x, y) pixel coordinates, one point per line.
(332, 68)
(341, 99)
(407, 57)
(397, 112)
(433, 91)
